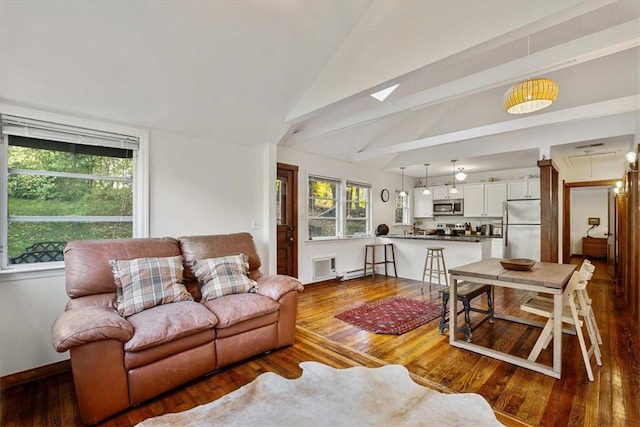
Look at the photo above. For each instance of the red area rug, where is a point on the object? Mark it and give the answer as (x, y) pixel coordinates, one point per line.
(393, 316)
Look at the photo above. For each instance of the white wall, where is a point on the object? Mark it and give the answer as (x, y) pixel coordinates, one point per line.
(587, 202)
(349, 252)
(28, 307)
(196, 187)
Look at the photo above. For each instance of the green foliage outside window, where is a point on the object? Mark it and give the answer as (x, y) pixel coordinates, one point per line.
(357, 209)
(35, 190)
(328, 213)
(322, 208)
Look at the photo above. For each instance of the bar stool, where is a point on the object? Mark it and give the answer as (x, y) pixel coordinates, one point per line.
(434, 253)
(373, 262)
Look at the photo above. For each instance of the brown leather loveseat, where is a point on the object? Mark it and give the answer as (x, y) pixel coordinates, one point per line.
(119, 361)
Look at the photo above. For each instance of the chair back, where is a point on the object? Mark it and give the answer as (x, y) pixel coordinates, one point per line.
(569, 291)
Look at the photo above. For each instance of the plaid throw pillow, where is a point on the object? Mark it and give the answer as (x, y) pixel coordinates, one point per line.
(147, 282)
(224, 276)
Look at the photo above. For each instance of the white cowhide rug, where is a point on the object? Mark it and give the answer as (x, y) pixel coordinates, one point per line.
(324, 396)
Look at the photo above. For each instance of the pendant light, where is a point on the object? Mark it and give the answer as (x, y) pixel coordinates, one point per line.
(453, 190)
(426, 191)
(530, 95)
(402, 192)
(460, 176)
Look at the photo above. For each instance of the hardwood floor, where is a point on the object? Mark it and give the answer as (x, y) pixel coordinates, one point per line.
(515, 393)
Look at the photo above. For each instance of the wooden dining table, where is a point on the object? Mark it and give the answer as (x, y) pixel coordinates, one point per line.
(543, 277)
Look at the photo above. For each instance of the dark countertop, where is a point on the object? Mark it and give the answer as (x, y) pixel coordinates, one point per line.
(466, 238)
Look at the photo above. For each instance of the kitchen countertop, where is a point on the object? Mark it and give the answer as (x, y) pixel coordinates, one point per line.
(461, 238)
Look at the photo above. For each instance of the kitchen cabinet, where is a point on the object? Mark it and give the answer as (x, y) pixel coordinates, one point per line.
(442, 192)
(529, 189)
(497, 249)
(494, 197)
(484, 200)
(474, 200)
(422, 204)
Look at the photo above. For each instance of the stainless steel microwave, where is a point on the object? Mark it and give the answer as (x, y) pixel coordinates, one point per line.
(448, 207)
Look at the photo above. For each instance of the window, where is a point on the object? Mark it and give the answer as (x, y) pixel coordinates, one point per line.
(402, 209)
(323, 207)
(334, 212)
(63, 183)
(358, 209)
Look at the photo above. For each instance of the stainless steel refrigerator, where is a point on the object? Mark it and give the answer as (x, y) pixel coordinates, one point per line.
(521, 229)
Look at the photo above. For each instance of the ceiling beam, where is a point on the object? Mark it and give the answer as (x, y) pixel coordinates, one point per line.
(587, 48)
(579, 113)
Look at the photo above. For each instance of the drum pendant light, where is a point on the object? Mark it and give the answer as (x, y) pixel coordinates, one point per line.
(530, 95)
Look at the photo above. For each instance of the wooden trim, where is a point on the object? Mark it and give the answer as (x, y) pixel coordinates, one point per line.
(34, 374)
(600, 183)
(633, 244)
(566, 210)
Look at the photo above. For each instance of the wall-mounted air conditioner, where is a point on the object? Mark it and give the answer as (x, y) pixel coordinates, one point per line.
(324, 267)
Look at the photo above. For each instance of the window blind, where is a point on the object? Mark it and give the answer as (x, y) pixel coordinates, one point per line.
(38, 129)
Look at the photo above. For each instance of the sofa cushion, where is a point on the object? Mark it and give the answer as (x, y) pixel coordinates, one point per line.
(86, 262)
(232, 309)
(194, 248)
(168, 322)
(143, 283)
(224, 276)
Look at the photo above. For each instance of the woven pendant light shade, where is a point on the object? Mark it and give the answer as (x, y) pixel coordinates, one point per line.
(530, 95)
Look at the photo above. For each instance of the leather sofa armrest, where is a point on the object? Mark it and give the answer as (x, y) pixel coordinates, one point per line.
(88, 324)
(275, 286)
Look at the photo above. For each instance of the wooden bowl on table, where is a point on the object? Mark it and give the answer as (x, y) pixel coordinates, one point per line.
(518, 264)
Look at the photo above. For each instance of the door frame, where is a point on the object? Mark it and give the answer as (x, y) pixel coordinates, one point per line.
(294, 214)
(566, 211)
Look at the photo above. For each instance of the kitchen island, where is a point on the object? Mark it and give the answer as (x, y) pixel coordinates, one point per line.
(410, 251)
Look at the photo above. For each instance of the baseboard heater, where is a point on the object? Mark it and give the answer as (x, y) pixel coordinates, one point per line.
(353, 274)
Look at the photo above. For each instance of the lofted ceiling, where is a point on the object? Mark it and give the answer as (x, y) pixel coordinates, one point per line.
(299, 74)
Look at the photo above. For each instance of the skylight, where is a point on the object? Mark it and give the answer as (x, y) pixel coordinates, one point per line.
(382, 94)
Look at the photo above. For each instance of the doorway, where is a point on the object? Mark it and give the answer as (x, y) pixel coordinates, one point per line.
(287, 219)
(566, 217)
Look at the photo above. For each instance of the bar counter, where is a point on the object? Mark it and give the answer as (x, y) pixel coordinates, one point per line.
(411, 251)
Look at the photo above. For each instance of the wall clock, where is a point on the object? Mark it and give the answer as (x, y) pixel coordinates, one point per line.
(384, 195)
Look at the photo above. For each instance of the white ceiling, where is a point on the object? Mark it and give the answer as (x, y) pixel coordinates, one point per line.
(299, 74)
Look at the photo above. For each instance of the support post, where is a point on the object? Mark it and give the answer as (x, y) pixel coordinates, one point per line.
(548, 211)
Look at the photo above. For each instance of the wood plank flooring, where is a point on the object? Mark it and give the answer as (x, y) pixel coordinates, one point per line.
(516, 394)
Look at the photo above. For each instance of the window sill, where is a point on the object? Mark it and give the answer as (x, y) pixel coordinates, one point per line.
(50, 269)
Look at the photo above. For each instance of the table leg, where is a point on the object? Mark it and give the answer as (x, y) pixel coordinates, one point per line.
(373, 262)
(557, 333)
(453, 310)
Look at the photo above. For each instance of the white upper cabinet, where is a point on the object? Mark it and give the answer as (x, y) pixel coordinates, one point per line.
(474, 200)
(494, 196)
(442, 192)
(422, 204)
(529, 189)
(484, 199)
